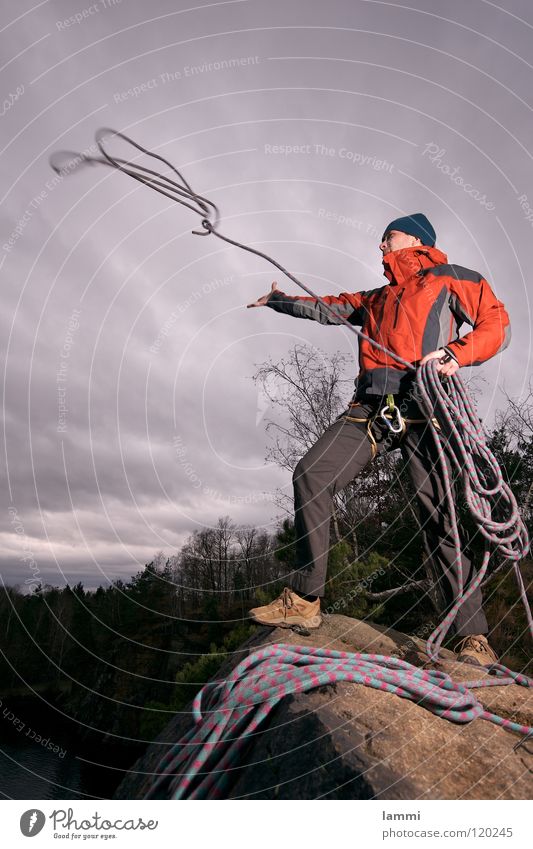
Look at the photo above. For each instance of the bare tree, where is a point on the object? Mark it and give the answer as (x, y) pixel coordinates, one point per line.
(225, 561)
(256, 562)
(307, 391)
(515, 424)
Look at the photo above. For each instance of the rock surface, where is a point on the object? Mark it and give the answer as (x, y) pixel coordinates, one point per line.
(348, 741)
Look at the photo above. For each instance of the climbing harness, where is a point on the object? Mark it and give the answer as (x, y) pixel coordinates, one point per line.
(236, 707)
(385, 415)
(226, 713)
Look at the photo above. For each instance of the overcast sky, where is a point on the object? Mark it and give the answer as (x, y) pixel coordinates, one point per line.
(130, 415)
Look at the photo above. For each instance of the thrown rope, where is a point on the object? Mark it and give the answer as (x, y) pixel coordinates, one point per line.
(226, 713)
(239, 705)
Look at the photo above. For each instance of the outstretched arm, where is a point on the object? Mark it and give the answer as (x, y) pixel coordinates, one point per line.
(348, 306)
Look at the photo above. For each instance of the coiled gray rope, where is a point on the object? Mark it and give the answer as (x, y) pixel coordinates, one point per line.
(463, 440)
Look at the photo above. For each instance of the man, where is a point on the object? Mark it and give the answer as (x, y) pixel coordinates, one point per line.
(417, 316)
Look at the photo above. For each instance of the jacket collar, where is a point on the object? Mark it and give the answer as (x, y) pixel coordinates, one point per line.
(401, 265)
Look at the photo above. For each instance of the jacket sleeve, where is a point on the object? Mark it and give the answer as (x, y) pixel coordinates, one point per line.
(475, 303)
(349, 306)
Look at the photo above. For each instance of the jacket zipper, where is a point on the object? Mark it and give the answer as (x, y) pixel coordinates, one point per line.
(398, 299)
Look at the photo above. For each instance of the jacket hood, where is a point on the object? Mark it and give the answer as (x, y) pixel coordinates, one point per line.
(400, 265)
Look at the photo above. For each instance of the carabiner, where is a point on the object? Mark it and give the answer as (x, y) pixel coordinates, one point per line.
(395, 425)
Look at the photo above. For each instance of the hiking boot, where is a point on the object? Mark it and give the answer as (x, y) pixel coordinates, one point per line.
(288, 610)
(475, 649)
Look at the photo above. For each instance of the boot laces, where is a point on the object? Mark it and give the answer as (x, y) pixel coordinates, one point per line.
(286, 599)
(473, 642)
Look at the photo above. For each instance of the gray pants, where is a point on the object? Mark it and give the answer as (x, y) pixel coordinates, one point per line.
(336, 459)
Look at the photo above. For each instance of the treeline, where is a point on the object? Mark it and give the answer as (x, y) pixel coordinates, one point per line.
(56, 635)
(61, 636)
(107, 656)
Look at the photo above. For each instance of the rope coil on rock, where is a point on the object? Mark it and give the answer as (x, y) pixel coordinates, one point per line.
(227, 712)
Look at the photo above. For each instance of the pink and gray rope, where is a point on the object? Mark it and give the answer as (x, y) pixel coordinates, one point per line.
(227, 713)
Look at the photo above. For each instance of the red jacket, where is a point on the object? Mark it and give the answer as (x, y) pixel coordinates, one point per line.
(421, 310)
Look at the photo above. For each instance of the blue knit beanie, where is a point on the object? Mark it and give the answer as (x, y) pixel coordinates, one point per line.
(416, 225)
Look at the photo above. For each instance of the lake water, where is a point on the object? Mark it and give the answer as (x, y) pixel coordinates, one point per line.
(29, 770)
